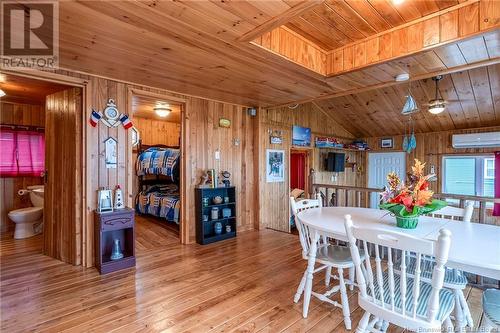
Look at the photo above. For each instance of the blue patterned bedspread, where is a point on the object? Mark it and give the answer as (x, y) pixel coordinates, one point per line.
(158, 161)
(161, 201)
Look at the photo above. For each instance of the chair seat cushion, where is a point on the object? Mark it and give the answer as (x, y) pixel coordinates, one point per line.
(491, 305)
(454, 279)
(335, 254)
(446, 297)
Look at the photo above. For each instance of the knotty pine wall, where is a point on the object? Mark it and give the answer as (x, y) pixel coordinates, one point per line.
(274, 197)
(201, 138)
(431, 147)
(154, 131)
(17, 114)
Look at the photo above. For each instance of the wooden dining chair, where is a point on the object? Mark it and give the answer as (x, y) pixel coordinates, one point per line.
(491, 308)
(454, 279)
(397, 299)
(328, 256)
(300, 205)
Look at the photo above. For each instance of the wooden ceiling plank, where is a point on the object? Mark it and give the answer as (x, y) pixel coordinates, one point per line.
(408, 10)
(494, 79)
(387, 12)
(214, 47)
(245, 10)
(450, 55)
(308, 31)
(337, 21)
(426, 7)
(492, 40)
(279, 20)
(465, 93)
(325, 26)
(330, 116)
(350, 15)
(369, 14)
(482, 94)
(430, 61)
(474, 49)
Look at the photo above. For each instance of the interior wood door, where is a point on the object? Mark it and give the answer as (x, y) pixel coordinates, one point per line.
(379, 165)
(63, 187)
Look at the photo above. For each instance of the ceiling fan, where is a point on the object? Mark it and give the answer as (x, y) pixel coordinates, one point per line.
(438, 104)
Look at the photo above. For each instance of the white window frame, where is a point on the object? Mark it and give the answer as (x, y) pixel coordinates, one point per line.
(485, 168)
(480, 171)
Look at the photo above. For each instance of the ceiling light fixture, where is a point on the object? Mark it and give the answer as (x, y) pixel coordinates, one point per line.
(397, 2)
(162, 110)
(402, 77)
(438, 104)
(2, 93)
(436, 108)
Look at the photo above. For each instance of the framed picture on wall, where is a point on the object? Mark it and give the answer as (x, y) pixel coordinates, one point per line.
(275, 166)
(386, 143)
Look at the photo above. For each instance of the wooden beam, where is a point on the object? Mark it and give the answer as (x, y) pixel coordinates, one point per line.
(393, 83)
(279, 20)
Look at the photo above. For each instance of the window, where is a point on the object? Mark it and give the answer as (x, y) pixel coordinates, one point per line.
(469, 175)
(22, 153)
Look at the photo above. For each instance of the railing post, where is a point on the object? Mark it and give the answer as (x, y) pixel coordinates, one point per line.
(346, 194)
(312, 181)
(482, 211)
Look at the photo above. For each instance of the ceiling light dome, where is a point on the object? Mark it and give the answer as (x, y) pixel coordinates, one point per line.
(2, 93)
(162, 110)
(437, 106)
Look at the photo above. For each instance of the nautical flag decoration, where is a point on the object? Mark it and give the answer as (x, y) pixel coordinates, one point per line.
(125, 121)
(110, 116)
(95, 116)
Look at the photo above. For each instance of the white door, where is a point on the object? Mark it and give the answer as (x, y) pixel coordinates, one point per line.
(379, 165)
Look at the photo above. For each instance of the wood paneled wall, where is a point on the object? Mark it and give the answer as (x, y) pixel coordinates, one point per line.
(431, 147)
(289, 44)
(274, 197)
(202, 137)
(158, 132)
(17, 114)
(448, 25)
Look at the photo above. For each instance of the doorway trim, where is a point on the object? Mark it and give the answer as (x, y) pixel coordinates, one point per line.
(84, 218)
(183, 225)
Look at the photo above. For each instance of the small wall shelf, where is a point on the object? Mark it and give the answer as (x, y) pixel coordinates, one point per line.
(109, 226)
(205, 230)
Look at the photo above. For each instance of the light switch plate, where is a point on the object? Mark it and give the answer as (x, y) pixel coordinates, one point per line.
(217, 154)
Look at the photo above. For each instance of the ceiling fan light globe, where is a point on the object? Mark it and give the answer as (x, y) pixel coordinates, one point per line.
(436, 108)
(2, 93)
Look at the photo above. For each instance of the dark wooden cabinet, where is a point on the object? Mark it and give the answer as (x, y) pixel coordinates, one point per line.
(110, 226)
(205, 227)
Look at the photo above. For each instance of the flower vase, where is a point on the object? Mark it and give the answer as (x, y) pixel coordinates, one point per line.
(407, 222)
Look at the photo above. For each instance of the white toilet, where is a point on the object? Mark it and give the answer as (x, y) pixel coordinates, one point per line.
(26, 218)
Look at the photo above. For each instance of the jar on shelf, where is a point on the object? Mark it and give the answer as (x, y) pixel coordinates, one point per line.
(214, 214)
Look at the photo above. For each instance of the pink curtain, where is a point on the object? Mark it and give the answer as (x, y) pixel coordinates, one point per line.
(31, 153)
(8, 163)
(496, 207)
(22, 153)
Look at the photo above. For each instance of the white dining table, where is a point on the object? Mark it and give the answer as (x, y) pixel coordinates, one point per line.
(475, 247)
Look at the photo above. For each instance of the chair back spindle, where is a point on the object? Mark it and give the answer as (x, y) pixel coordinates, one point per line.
(399, 298)
(304, 235)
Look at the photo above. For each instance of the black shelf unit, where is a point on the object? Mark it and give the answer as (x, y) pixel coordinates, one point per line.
(205, 230)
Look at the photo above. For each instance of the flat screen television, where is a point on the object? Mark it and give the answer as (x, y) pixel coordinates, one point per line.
(301, 136)
(335, 162)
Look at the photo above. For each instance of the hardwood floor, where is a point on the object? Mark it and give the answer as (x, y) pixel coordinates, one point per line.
(244, 284)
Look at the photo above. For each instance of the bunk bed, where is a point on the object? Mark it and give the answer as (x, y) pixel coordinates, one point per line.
(158, 172)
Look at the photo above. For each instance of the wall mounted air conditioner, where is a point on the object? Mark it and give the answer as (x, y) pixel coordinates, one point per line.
(476, 140)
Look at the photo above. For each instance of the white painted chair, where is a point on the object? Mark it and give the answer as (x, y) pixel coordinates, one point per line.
(491, 308)
(328, 256)
(398, 299)
(454, 279)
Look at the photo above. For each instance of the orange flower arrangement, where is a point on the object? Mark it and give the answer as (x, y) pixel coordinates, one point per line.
(412, 199)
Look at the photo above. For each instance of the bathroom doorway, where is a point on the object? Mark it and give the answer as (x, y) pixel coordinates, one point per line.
(40, 162)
